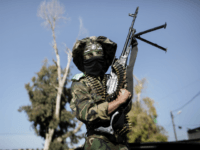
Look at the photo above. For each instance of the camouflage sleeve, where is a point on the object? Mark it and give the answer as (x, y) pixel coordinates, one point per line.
(85, 106)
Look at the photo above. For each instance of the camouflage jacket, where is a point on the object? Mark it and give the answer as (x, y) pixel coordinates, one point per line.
(86, 104)
(89, 107)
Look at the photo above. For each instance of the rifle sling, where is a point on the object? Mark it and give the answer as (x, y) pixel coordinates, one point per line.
(130, 67)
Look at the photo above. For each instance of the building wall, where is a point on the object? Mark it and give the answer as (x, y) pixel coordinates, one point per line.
(195, 135)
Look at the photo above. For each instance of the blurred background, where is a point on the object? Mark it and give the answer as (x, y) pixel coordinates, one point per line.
(172, 78)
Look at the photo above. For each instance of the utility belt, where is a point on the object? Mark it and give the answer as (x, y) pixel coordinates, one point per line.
(111, 137)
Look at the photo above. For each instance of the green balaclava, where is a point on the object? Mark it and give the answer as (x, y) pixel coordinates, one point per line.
(80, 47)
(94, 63)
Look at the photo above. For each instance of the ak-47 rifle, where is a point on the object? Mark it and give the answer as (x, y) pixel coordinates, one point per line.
(119, 66)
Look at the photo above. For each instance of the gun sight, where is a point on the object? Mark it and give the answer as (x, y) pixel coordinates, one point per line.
(132, 15)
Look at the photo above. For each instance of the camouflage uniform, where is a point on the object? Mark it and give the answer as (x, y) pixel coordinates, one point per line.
(90, 107)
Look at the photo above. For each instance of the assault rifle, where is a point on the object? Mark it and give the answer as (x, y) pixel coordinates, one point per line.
(119, 66)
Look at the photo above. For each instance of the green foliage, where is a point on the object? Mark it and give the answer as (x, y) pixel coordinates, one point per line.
(143, 128)
(55, 145)
(42, 95)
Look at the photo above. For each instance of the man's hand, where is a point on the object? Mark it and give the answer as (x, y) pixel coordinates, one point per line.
(122, 98)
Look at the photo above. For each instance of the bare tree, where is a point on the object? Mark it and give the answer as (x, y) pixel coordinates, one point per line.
(139, 87)
(52, 12)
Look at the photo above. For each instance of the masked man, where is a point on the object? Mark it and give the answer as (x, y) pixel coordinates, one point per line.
(93, 56)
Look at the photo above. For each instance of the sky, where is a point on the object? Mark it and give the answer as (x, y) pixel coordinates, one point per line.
(173, 76)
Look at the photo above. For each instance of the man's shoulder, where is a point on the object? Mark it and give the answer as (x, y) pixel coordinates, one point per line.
(79, 81)
(78, 77)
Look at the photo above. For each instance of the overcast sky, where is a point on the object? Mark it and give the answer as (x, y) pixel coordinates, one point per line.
(173, 77)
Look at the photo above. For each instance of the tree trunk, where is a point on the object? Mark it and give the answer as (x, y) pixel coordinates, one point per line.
(48, 139)
(58, 99)
(49, 135)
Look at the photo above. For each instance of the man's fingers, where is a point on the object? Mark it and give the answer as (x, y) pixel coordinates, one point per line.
(123, 91)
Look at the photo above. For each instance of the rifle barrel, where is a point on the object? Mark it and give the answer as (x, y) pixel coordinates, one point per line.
(130, 31)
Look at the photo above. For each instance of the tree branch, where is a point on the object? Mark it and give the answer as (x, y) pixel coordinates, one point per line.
(73, 132)
(136, 78)
(69, 53)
